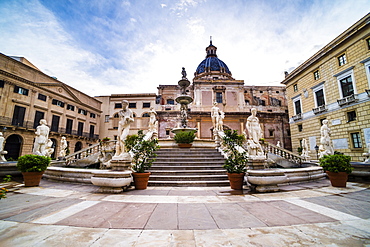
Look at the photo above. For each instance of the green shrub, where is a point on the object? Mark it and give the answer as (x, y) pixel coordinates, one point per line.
(185, 137)
(33, 163)
(236, 161)
(336, 163)
(143, 151)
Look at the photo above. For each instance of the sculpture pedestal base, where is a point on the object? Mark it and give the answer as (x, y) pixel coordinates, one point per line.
(257, 163)
(2, 158)
(266, 181)
(111, 181)
(118, 178)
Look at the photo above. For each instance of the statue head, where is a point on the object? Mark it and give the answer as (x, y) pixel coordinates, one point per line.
(325, 121)
(43, 121)
(254, 111)
(124, 104)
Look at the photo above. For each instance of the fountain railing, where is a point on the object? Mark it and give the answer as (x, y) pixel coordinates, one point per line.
(286, 154)
(101, 147)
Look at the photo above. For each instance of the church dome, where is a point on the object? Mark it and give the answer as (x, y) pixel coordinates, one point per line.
(212, 63)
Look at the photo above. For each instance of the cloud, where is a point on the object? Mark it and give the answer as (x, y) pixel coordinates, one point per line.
(105, 47)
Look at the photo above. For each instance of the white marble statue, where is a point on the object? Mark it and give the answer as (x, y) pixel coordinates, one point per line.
(63, 147)
(278, 144)
(367, 155)
(48, 149)
(42, 136)
(326, 146)
(2, 151)
(220, 122)
(126, 118)
(305, 150)
(153, 123)
(215, 115)
(255, 134)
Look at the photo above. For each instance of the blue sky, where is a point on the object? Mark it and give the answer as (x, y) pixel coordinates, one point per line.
(104, 47)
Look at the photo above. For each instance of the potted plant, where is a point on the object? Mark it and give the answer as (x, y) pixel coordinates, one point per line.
(32, 168)
(184, 139)
(143, 157)
(337, 166)
(235, 164)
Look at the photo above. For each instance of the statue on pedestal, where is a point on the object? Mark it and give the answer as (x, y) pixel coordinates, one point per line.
(215, 115)
(126, 118)
(153, 123)
(326, 146)
(255, 134)
(63, 147)
(42, 136)
(305, 150)
(220, 122)
(2, 151)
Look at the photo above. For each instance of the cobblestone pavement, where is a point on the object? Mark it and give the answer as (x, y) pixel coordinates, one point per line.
(66, 214)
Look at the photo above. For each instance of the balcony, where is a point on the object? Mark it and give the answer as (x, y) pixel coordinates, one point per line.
(319, 109)
(347, 100)
(297, 117)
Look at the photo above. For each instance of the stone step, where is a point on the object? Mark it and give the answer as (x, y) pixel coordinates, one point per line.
(198, 168)
(189, 159)
(180, 163)
(220, 183)
(188, 178)
(182, 151)
(186, 172)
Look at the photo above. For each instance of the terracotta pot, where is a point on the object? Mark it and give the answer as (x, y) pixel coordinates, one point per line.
(236, 180)
(338, 179)
(141, 180)
(32, 178)
(184, 145)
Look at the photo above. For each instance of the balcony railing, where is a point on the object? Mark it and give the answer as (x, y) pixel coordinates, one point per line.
(319, 109)
(347, 100)
(297, 117)
(30, 126)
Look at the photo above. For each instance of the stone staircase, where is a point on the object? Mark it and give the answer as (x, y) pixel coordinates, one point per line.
(194, 167)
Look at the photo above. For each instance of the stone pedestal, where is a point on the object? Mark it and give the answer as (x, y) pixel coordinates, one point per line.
(117, 179)
(265, 180)
(258, 163)
(2, 158)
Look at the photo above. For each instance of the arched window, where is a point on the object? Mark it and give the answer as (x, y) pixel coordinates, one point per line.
(13, 146)
(115, 115)
(145, 115)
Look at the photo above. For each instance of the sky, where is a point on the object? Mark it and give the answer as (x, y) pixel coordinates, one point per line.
(104, 47)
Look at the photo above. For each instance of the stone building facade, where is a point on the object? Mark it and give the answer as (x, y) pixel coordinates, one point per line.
(213, 82)
(28, 95)
(334, 84)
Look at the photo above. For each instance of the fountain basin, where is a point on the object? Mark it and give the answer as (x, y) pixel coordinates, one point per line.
(184, 99)
(178, 130)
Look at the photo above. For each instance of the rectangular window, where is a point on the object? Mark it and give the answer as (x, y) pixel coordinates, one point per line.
(346, 86)
(57, 102)
(82, 111)
(18, 115)
(320, 100)
(368, 43)
(316, 75)
(55, 123)
(295, 87)
(71, 107)
(297, 107)
(106, 119)
(170, 102)
(218, 97)
(80, 128)
(300, 127)
(92, 130)
(20, 90)
(351, 116)
(69, 126)
(41, 97)
(2, 82)
(342, 60)
(131, 105)
(38, 116)
(92, 115)
(146, 105)
(117, 105)
(356, 140)
(271, 133)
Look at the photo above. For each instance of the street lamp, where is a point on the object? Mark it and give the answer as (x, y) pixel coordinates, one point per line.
(317, 151)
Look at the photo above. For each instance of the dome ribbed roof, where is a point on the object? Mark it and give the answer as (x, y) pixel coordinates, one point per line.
(214, 63)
